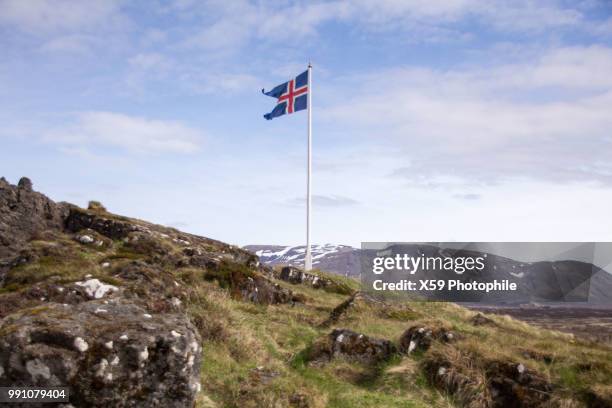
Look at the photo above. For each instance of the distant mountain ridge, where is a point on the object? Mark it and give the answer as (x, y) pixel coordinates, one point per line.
(565, 279)
(338, 259)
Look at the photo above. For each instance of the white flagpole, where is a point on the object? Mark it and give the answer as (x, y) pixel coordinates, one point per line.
(308, 257)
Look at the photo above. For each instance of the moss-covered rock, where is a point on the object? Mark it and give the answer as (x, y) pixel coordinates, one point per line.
(110, 353)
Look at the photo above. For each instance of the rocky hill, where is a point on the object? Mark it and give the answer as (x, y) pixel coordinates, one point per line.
(132, 314)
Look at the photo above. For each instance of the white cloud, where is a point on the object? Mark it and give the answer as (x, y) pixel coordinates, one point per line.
(134, 134)
(237, 23)
(548, 120)
(76, 43)
(148, 68)
(324, 201)
(58, 15)
(502, 15)
(229, 26)
(565, 67)
(152, 61)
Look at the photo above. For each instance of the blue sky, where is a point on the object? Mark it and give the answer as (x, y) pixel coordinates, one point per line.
(463, 120)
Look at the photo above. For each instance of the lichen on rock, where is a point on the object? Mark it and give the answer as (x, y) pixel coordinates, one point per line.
(73, 346)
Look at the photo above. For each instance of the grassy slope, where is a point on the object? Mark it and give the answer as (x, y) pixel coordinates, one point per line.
(239, 337)
(275, 336)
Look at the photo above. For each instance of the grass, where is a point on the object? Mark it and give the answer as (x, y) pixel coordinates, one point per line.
(229, 274)
(240, 337)
(286, 333)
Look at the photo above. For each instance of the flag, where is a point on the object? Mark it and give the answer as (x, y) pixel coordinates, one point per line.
(292, 96)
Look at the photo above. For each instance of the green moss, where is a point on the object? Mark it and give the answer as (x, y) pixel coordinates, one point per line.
(44, 268)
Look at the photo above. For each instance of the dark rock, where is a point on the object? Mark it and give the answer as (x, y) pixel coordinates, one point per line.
(292, 274)
(109, 354)
(482, 382)
(202, 258)
(248, 284)
(24, 213)
(350, 345)
(259, 289)
(25, 184)
(512, 385)
(79, 219)
(598, 397)
(419, 338)
(295, 275)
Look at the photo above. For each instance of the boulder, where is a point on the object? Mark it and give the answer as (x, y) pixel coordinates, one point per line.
(295, 275)
(353, 346)
(79, 219)
(419, 338)
(511, 384)
(248, 284)
(292, 274)
(478, 381)
(259, 289)
(110, 353)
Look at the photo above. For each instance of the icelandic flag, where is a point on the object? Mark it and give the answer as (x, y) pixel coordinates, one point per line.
(292, 96)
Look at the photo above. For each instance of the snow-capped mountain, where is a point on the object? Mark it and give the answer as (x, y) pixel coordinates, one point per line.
(537, 280)
(339, 259)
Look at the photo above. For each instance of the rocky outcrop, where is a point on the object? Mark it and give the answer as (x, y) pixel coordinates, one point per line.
(486, 382)
(79, 219)
(511, 384)
(259, 289)
(109, 352)
(344, 343)
(24, 213)
(419, 338)
(295, 275)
